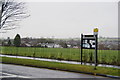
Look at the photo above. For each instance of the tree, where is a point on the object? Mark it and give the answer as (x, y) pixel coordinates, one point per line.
(9, 42)
(43, 40)
(11, 13)
(17, 40)
(64, 45)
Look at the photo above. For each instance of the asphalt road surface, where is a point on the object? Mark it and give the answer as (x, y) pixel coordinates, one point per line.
(16, 71)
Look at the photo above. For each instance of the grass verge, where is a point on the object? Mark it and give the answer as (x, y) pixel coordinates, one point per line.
(62, 66)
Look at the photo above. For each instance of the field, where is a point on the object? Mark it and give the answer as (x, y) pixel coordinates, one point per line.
(104, 56)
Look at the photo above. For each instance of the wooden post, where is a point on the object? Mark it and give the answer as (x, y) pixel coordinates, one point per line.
(81, 46)
(96, 43)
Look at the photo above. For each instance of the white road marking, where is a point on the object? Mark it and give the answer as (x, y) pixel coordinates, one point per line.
(12, 75)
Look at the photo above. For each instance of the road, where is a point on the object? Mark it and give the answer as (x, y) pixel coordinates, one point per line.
(17, 71)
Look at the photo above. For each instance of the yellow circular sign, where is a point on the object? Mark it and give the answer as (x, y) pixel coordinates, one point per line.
(96, 30)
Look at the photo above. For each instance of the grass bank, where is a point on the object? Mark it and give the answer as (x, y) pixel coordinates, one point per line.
(61, 66)
(104, 56)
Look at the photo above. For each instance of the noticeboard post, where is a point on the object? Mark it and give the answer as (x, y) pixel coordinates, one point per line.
(90, 42)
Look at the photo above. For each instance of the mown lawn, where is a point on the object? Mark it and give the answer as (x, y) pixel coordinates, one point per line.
(61, 66)
(104, 56)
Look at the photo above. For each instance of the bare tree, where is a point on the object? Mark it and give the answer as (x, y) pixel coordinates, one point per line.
(11, 13)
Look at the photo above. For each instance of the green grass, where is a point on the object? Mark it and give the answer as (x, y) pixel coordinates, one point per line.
(104, 56)
(61, 66)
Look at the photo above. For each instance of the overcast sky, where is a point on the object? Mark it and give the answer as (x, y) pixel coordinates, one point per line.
(68, 19)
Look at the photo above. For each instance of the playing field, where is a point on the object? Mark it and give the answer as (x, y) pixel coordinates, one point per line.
(104, 56)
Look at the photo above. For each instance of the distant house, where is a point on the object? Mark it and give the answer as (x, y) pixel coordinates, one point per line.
(57, 46)
(43, 44)
(26, 45)
(51, 45)
(69, 46)
(75, 47)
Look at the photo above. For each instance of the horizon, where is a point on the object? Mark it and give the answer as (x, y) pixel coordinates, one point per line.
(60, 38)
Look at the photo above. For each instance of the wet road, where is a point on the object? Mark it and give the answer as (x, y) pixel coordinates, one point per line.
(9, 70)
